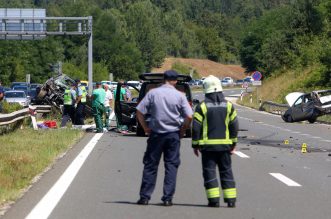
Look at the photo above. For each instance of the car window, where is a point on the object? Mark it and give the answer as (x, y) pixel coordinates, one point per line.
(14, 94)
(298, 101)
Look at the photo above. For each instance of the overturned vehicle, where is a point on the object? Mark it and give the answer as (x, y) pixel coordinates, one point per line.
(52, 92)
(307, 106)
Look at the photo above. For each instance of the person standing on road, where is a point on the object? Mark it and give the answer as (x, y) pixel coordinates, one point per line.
(2, 94)
(214, 134)
(69, 99)
(167, 107)
(98, 99)
(80, 103)
(121, 128)
(108, 105)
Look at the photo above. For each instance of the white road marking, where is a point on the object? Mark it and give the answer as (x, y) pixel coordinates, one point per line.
(316, 137)
(327, 141)
(46, 205)
(296, 132)
(305, 134)
(241, 154)
(284, 179)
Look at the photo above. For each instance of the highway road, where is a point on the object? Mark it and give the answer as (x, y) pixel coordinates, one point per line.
(100, 177)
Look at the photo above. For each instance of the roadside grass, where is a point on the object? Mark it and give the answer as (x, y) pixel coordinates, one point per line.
(26, 153)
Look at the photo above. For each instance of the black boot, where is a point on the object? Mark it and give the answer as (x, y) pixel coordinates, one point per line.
(231, 204)
(213, 204)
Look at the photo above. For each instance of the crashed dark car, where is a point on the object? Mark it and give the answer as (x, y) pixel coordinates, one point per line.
(307, 106)
(126, 110)
(52, 92)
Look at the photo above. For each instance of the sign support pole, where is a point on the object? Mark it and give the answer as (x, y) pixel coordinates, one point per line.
(90, 59)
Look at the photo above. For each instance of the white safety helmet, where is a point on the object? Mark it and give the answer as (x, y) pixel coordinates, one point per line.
(212, 84)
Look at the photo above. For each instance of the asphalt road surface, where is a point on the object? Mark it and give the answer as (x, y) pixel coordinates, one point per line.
(274, 178)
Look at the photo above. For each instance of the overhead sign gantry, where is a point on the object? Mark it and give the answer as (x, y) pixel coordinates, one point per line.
(33, 24)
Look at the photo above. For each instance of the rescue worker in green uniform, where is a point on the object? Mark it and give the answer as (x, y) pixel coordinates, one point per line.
(69, 98)
(214, 135)
(98, 99)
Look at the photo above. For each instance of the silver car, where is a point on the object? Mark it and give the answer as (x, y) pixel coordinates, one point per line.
(17, 96)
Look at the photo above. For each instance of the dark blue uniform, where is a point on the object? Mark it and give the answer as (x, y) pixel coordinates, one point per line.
(167, 107)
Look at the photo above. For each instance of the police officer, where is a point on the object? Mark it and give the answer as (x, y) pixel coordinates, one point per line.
(214, 134)
(98, 99)
(80, 103)
(167, 107)
(69, 99)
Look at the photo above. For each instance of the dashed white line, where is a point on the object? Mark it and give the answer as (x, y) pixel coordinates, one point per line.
(241, 154)
(285, 179)
(46, 205)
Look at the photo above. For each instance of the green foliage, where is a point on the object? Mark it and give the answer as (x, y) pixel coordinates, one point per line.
(133, 36)
(10, 107)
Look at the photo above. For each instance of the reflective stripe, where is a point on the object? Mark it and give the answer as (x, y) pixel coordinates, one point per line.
(227, 120)
(230, 193)
(234, 115)
(83, 100)
(205, 123)
(214, 141)
(198, 117)
(213, 193)
(234, 140)
(67, 100)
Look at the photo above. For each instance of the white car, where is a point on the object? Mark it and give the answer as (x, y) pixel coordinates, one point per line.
(17, 96)
(227, 81)
(137, 84)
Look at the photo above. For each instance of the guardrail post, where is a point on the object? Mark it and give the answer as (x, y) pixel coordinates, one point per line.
(251, 98)
(33, 113)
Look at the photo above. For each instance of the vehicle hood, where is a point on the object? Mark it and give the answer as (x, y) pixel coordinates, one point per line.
(292, 97)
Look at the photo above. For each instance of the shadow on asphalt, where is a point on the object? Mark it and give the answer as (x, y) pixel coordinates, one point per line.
(158, 204)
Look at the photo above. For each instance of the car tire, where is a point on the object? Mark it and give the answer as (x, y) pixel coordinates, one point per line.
(312, 120)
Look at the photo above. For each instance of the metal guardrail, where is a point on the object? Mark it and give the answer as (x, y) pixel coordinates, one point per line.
(274, 108)
(6, 119)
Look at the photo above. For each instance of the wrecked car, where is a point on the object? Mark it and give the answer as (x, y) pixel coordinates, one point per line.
(307, 106)
(125, 111)
(52, 92)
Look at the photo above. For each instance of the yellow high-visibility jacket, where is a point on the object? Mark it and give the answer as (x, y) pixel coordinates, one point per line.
(215, 124)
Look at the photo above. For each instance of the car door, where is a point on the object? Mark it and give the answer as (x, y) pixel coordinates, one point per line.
(125, 111)
(302, 108)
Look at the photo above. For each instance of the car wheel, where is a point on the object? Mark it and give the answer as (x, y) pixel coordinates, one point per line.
(312, 120)
(289, 118)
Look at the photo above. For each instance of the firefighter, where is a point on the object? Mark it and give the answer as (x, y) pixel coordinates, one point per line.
(68, 105)
(80, 103)
(214, 135)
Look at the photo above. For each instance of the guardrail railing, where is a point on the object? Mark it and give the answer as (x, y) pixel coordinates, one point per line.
(6, 119)
(274, 108)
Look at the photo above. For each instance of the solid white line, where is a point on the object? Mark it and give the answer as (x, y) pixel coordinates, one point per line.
(46, 205)
(241, 154)
(284, 179)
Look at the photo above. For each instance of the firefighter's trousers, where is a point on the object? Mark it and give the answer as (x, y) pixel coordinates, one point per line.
(222, 159)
